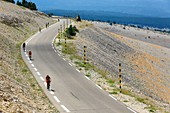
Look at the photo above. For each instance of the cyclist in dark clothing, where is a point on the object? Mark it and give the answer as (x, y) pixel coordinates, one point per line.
(30, 54)
(24, 46)
(48, 81)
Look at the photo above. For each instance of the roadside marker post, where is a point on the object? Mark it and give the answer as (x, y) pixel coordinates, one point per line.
(63, 25)
(85, 47)
(120, 77)
(67, 23)
(61, 31)
(65, 44)
(59, 35)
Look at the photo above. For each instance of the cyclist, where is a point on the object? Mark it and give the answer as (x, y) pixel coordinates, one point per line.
(24, 46)
(30, 54)
(39, 29)
(48, 81)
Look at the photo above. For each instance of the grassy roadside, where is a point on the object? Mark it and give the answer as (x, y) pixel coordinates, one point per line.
(69, 51)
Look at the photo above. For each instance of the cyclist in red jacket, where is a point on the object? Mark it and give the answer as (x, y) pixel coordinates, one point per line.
(48, 81)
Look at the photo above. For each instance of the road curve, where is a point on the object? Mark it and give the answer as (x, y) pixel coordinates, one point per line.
(73, 91)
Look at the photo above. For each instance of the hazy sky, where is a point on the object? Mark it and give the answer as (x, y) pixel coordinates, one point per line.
(145, 7)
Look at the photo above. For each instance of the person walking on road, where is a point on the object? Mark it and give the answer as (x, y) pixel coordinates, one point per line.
(48, 81)
(24, 46)
(30, 54)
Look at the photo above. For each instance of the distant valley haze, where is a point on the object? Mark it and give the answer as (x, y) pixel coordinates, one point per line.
(154, 8)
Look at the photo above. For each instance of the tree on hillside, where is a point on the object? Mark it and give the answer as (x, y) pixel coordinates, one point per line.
(12, 1)
(19, 3)
(32, 6)
(71, 31)
(78, 18)
(23, 2)
(26, 4)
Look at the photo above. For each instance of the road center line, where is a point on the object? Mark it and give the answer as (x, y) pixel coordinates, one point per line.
(98, 86)
(113, 97)
(30, 61)
(56, 99)
(87, 77)
(42, 78)
(65, 108)
(55, 51)
(131, 110)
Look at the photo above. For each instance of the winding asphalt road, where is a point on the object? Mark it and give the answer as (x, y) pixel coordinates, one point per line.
(73, 92)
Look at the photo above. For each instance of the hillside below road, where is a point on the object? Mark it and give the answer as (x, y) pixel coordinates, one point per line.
(73, 92)
(145, 61)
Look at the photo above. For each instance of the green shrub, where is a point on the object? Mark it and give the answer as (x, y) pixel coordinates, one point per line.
(71, 31)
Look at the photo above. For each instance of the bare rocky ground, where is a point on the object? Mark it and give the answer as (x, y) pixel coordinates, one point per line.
(145, 61)
(19, 91)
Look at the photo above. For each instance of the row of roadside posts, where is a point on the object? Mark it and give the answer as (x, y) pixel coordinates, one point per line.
(61, 29)
(85, 56)
(119, 68)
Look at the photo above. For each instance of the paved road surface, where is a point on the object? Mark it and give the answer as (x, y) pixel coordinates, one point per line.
(73, 91)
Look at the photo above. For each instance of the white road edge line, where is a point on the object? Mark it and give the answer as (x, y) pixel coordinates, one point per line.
(56, 99)
(58, 54)
(131, 110)
(55, 51)
(52, 92)
(32, 65)
(42, 78)
(70, 64)
(87, 77)
(38, 73)
(113, 97)
(35, 69)
(98, 86)
(65, 108)
(73, 64)
(78, 70)
(45, 84)
(64, 59)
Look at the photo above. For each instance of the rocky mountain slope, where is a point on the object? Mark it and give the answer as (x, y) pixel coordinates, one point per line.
(145, 64)
(19, 91)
